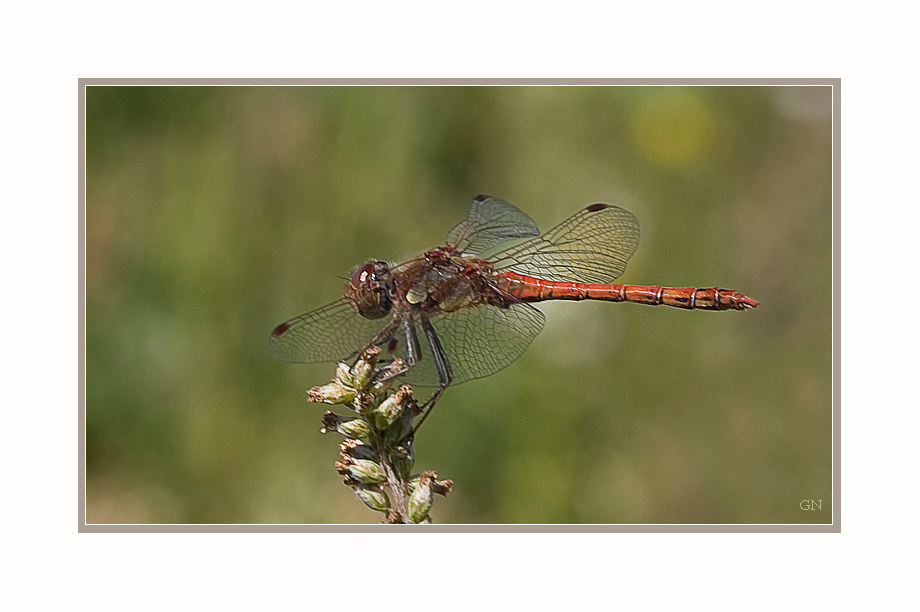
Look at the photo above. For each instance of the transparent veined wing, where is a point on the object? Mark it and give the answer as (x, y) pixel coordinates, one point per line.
(478, 342)
(591, 246)
(331, 333)
(491, 221)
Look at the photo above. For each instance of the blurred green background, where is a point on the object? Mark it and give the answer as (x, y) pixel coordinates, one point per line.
(215, 213)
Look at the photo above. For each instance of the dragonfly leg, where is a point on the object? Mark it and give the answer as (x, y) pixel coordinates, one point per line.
(445, 373)
(413, 351)
(382, 337)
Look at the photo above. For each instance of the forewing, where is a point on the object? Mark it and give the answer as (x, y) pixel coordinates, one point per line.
(478, 342)
(330, 333)
(491, 221)
(591, 246)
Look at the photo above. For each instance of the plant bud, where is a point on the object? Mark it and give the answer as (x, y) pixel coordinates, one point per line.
(364, 368)
(367, 471)
(333, 393)
(373, 499)
(357, 429)
(343, 375)
(420, 500)
(402, 427)
(392, 407)
(350, 427)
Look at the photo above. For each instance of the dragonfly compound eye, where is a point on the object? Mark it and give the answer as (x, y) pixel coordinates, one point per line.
(367, 292)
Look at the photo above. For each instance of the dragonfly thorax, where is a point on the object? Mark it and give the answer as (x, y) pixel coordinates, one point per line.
(442, 280)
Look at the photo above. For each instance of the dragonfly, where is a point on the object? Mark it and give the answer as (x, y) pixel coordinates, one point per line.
(452, 315)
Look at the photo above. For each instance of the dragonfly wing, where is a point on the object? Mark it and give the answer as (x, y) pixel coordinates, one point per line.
(478, 342)
(491, 221)
(331, 333)
(591, 246)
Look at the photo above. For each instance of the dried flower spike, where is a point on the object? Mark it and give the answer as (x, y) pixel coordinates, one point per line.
(377, 457)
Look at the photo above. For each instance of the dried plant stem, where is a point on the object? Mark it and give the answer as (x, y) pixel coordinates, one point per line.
(378, 455)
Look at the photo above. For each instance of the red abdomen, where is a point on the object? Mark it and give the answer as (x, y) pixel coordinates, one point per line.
(530, 289)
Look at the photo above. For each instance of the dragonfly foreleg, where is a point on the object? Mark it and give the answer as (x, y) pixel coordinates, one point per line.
(445, 373)
(398, 366)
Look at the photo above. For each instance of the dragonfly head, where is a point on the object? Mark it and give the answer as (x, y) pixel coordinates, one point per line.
(367, 291)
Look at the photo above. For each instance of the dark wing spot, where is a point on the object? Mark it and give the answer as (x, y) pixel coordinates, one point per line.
(480, 198)
(280, 329)
(597, 207)
(394, 342)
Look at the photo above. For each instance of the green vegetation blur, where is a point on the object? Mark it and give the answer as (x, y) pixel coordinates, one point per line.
(215, 213)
